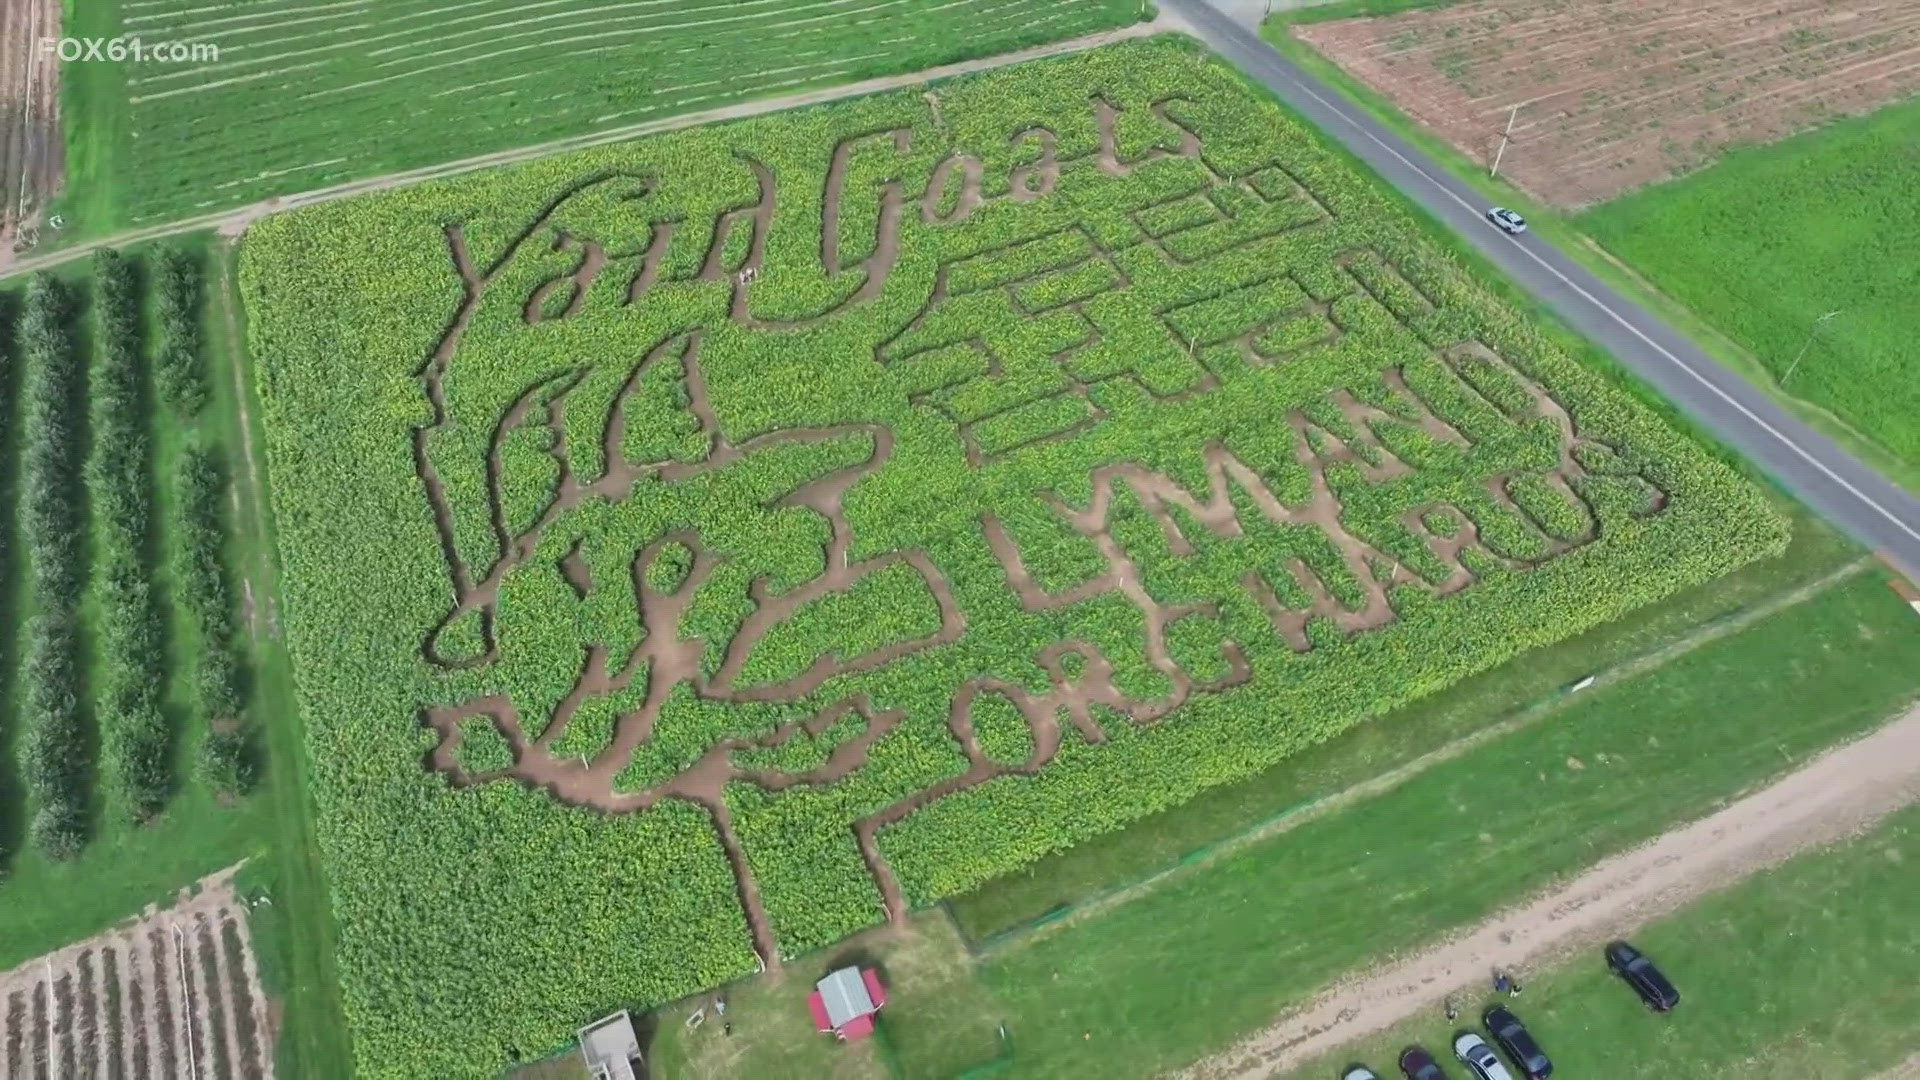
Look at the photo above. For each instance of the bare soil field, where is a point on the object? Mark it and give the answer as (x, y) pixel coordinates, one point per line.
(174, 993)
(1617, 94)
(32, 154)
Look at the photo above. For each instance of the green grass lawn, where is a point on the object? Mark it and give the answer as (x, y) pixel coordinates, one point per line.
(1260, 931)
(1803, 971)
(1770, 238)
(1114, 860)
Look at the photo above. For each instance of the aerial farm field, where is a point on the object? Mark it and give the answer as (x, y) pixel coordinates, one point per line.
(1818, 223)
(700, 549)
(1617, 94)
(123, 655)
(147, 734)
(175, 992)
(302, 95)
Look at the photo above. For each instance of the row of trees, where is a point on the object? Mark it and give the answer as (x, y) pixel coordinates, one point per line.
(181, 374)
(87, 462)
(226, 759)
(136, 740)
(54, 761)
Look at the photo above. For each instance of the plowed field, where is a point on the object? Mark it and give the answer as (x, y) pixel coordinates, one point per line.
(30, 150)
(175, 993)
(1616, 94)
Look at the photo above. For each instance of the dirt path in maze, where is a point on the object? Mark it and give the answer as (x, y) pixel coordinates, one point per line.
(234, 222)
(32, 149)
(1838, 795)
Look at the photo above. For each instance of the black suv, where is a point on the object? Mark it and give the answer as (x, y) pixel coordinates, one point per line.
(1419, 1065)
(1511, 1034)
(1633, 965)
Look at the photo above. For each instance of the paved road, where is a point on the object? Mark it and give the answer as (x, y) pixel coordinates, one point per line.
(1856, 498)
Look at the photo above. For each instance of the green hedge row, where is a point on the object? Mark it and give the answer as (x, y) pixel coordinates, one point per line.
(55, 755)
(180, 370)
(227, 757)
(547, 913)
(136, 739)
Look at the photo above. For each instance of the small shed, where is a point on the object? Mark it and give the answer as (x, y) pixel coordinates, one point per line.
(845, 1002)
(611, 1048)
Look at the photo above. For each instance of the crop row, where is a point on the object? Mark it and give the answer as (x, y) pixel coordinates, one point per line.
(558, 910)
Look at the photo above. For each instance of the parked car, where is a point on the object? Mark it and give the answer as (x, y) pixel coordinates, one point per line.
(1359, 1072)
(1633, 965)
(1513, 1037)
(1419, 1065)
(1478, 1057)
(1507, 220)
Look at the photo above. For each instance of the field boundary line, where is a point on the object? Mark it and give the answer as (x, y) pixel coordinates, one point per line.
(234, 221)
(1526, 716)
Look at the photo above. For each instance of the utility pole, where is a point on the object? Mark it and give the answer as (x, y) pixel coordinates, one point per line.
(1805, 346)
(1504, 136)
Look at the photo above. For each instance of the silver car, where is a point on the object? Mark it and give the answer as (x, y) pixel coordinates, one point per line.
(1479, 1058)
(1508, 221)
(1359, 1072)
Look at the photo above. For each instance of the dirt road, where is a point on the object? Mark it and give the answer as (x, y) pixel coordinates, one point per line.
(1835, 796)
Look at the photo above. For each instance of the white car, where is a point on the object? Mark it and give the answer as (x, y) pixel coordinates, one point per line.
(1359, 1072)
(1508, 221)
(1479, 1058)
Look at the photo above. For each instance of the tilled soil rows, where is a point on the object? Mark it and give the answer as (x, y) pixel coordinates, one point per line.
(1616, 94)
(173, 994)
(32, 155)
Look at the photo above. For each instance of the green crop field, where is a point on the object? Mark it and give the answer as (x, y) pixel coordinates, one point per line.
(1819, 223)
(716, 544)
(301, 95)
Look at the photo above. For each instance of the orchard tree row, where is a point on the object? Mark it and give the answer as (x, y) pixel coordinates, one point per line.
(96, 385)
